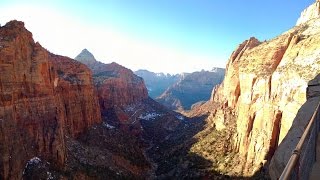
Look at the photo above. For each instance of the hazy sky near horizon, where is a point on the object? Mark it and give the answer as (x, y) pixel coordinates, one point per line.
(158, 35)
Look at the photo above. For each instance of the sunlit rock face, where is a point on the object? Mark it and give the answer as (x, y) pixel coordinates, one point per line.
(265, 83)
(289, 143)
(312, 12)
(38, 94)
(116, 87)
(115, 84)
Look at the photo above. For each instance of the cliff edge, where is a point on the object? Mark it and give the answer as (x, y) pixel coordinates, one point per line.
(265, 85)
(37, 96)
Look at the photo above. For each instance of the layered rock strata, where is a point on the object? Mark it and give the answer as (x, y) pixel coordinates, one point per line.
(38, 92)
(116, 85)
(289, 143)
(265, 83)
(77, 93)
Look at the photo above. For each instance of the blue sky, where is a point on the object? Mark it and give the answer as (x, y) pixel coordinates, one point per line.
(159, 35)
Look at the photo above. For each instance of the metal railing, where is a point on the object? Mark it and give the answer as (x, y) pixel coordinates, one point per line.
(303, 156)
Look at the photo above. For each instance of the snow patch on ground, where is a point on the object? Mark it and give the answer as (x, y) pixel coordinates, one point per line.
(49, 176)
(180, 117)
(133, 107)
(32, 161)
(129, 108)
(149, 116)
(108, 125)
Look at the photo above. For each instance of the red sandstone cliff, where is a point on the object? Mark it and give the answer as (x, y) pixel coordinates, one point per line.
(77, 94)
(38, 92)
(119, 86)
(116, 85)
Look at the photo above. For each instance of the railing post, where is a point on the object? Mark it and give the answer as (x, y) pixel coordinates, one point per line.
(298, 169)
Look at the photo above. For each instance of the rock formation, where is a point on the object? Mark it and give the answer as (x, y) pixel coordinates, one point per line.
(38, 91)
(75, 84)
(289, 143)
(191, 88)
(88, 59)
(47, 100)
(50, 118)
(116, 85)
(265, 84)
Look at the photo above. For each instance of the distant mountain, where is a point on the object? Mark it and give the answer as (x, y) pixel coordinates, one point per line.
(191, 88)
(116, 85)
(157, 83)
(88, 59)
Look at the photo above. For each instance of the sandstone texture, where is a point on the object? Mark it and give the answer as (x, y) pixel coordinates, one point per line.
(118, 86)
(265, 84)
(289, 143)
(115, 84)
(77, 93)
(54, 125)
(38, 92)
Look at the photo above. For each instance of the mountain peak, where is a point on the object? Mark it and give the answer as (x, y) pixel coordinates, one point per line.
(16, 28)
(85, 56)
(15, 23)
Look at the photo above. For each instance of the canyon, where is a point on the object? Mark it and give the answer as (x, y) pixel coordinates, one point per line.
(63, 118)
(250, 114)
(115, 84)
(180, 91)
(55, 125)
